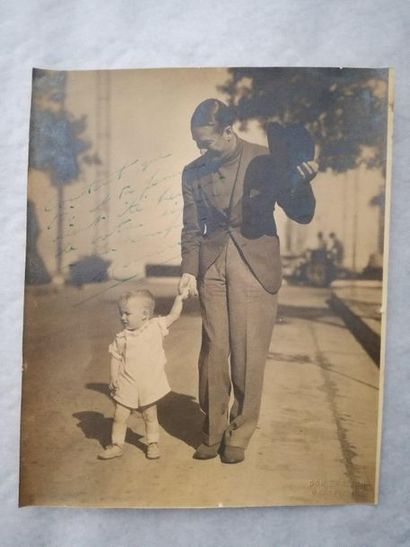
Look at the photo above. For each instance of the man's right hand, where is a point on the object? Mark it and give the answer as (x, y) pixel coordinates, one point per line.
(188, 283)
(308, 170)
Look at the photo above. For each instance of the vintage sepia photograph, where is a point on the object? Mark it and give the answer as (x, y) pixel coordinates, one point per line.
(205, 287)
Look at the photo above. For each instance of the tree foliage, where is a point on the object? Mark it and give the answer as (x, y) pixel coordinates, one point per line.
(55, 135)
(344, 109)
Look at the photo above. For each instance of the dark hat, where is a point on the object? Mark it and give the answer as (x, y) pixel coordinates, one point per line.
(294, 143)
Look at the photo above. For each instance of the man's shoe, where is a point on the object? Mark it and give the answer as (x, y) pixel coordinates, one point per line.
(233, 454)
(205, 452)
(153, 451)
(112, 451)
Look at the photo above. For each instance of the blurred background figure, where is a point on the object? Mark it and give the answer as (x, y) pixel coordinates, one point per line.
(336, 249)
(321, 242)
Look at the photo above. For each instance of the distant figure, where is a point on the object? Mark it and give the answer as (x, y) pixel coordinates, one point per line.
(336, 249)
(138, 378)
(321, 242)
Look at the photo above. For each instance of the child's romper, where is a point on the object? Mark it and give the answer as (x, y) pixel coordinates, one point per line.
(141, 377)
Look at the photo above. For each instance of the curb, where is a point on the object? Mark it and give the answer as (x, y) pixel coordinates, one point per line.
(368, 338)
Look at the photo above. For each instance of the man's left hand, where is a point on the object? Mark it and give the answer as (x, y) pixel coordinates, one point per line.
(308, 170)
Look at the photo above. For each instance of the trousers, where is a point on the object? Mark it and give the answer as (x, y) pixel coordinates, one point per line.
(238, 316)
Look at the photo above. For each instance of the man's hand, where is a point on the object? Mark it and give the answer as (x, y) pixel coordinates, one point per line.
(187, 284)
(308, 170)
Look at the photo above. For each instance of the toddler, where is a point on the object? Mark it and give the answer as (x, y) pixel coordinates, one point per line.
(138, 378)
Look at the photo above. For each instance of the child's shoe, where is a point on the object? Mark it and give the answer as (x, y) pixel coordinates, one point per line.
(153, 451)
(111, 451)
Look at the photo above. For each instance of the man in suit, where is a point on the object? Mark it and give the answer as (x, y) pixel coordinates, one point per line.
(230, 255)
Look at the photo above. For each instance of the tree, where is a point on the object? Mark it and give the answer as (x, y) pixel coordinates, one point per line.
(344, 109)
(55, 142)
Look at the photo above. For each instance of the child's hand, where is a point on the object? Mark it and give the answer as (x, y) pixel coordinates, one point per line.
(188, 281)
(184, 294)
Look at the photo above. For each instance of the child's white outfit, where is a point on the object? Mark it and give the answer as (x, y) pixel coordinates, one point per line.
(141, 377)
(141, 381)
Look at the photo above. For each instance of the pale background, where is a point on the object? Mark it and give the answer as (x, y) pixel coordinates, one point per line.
(143, 34)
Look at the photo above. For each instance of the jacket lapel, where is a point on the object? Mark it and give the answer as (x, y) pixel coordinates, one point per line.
(205, 185)
(237, 192)
(210, 185)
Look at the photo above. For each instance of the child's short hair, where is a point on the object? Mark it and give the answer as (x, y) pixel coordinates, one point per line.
(142, 294)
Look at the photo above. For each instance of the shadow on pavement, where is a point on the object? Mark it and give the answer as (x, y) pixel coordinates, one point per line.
(314, 314)
(95, 425)
(298, 358)
(99, 387)
(368, 337)
(181, 417)
(178, 414)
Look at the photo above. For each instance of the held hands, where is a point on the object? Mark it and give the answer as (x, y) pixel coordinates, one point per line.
(184, 294)
(187, 286)
(308, 170)
(113, 387)
(181, 296)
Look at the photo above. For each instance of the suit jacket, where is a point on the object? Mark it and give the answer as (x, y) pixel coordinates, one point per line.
(263, 179)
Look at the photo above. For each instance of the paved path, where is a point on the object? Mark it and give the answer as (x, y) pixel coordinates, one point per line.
(315, 443)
